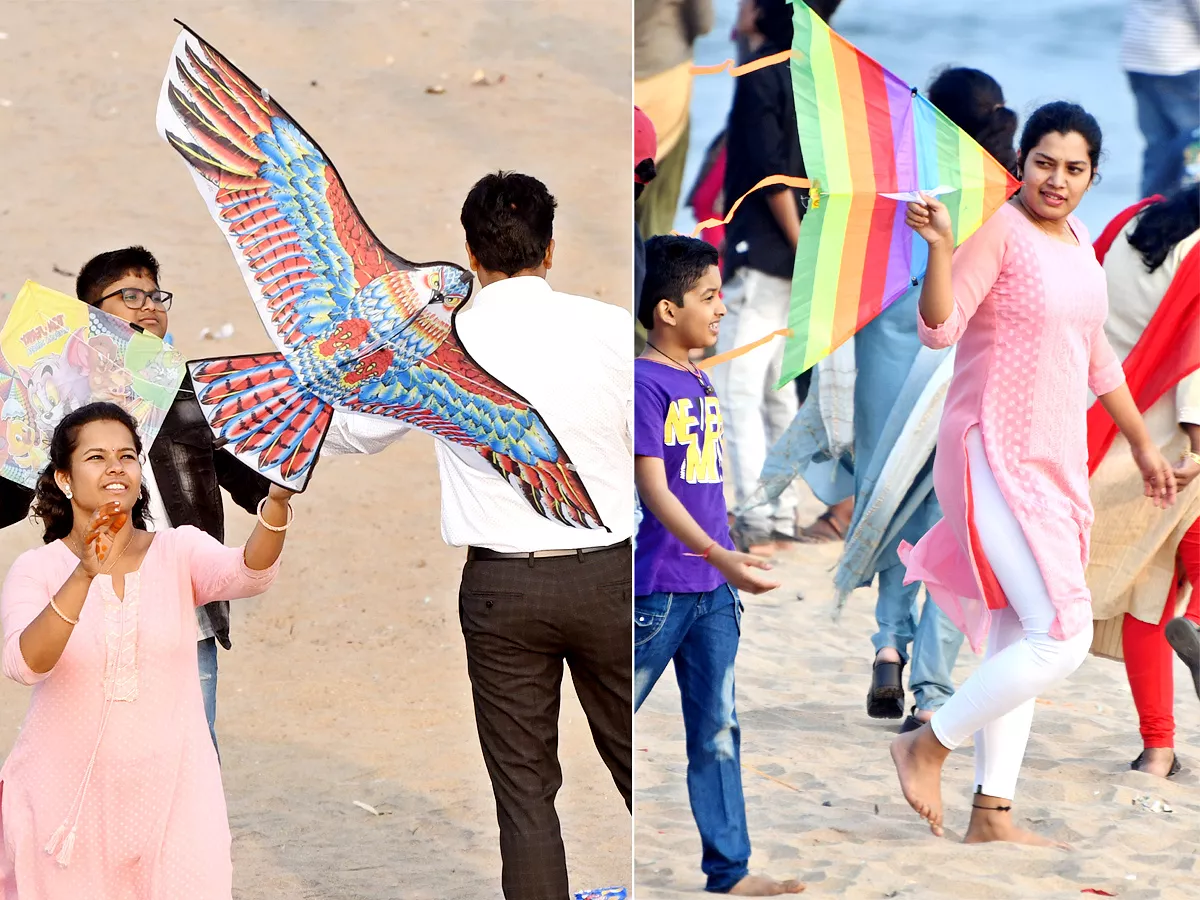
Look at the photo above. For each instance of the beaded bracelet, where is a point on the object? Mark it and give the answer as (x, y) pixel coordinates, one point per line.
(61, 614)
(276, 528)
(1192, 455)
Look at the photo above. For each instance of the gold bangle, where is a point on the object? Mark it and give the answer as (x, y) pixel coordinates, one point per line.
(62, 615)
(1192, 455)
(276, 528)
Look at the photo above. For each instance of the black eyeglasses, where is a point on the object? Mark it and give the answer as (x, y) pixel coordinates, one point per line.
(135, 298)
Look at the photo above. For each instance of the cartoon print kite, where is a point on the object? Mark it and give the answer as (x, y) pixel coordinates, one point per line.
(870, 143)
(58, 354)
(357, 327)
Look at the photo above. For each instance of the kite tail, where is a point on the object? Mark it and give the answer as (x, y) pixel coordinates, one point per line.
(261, 411)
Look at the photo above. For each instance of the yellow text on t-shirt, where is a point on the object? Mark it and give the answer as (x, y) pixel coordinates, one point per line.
(700, 434)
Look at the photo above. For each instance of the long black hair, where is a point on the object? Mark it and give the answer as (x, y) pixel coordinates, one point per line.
(50, 505)
(974, 102)
(1163, 225)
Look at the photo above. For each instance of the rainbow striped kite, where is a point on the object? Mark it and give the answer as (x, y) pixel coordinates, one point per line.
(865, 134)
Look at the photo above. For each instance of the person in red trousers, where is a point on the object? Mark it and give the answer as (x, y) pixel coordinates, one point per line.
(1144, 559)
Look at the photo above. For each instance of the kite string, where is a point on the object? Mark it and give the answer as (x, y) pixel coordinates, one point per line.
(745, 68)
(789, 180)
(745, 348)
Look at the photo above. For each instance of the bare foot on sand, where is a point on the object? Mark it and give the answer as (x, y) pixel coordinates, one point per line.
(761, 886)
(919, 756)
(996, 825)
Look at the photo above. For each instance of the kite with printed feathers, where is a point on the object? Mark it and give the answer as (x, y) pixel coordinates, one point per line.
(357, 327)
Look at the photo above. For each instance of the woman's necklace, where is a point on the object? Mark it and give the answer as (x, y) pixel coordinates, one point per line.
(709, 390)
(79, 552)
(1029, 214)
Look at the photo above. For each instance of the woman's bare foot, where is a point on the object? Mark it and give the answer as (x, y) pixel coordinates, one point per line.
(919, 756)
(997, 825)
(762, 886)
(1156, 761)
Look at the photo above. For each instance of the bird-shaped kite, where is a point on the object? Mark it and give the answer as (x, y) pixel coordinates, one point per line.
(358, 328)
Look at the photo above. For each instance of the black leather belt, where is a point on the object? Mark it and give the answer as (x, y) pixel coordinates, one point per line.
(474, 553)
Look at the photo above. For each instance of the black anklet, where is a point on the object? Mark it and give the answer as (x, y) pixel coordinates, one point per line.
(992, 808)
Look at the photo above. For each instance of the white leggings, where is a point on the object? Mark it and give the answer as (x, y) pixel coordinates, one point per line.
(1022, 660)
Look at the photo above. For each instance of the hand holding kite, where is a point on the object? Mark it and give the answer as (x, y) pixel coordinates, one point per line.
(931, 220)
(357, 327)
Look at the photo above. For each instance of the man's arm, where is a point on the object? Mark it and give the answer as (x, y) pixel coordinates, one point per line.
(361, 433)
(769, 153)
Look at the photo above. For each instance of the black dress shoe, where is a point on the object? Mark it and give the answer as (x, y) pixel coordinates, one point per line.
(885, 699)
(1184, 638)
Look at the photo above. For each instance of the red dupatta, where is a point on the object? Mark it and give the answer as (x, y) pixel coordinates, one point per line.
(1168, 350)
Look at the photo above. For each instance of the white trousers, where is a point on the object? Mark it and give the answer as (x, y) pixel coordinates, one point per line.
(755, 414)
(996, 703)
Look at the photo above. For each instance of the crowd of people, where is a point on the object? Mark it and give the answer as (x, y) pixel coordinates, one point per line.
(1057, 514)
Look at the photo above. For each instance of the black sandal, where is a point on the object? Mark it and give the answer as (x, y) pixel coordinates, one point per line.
(1136, 765)
(885, 699)
(911, 722)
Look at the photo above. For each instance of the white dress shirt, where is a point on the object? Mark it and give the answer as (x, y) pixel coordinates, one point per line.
(572, 359)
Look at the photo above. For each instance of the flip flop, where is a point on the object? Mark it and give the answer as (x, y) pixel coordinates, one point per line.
(1184, 638)
(1141, 758)
(885, 699)
(752, 542)
(819, 531)
(911, 722)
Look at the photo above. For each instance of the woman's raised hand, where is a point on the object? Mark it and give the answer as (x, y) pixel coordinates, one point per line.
(931, 220)
(102, 529)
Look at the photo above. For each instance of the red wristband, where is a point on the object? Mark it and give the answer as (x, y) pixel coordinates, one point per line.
(708, 550)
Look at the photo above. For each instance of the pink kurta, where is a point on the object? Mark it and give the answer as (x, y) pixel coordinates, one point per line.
(1029, 321)
(151, 823)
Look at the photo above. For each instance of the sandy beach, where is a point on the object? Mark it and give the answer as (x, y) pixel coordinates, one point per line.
(347, 682)
(823, 802)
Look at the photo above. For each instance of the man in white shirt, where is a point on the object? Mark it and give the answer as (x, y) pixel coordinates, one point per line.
(1160, 52)
(536, 592)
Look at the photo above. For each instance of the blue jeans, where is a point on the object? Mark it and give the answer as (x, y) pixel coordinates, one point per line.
(700, 632)
(935, 640)
(1168, 111)
(206, 653)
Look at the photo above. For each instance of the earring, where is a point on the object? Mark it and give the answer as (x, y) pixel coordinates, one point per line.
(67, 491)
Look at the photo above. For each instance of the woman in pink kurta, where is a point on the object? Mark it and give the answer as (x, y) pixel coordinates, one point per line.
(113, 789)
(1026, 301)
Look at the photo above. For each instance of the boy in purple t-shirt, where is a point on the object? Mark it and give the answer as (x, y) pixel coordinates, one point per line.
(686, 571)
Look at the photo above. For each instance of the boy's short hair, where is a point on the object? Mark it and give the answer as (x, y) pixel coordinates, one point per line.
(674, 264)
(509, 222)
(107, 268)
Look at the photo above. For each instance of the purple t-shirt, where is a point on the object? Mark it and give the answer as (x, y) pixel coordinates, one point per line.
(678, 422)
